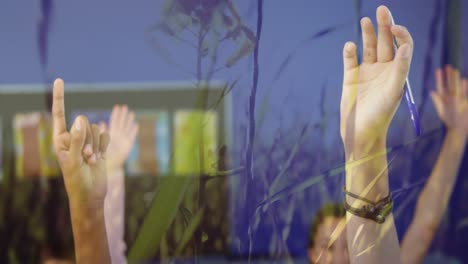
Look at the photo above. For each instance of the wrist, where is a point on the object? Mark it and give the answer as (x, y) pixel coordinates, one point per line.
(114, 168)
(360, 149)
(456, 136)
(366, 170)
(86, 208)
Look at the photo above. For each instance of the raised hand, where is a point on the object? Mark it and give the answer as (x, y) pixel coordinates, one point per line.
(372, 90)
(451, 101)
(451, 104)
(371, 94)
(122, 130)
(81, 154)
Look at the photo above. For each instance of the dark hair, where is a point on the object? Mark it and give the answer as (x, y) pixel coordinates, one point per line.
(328, 210)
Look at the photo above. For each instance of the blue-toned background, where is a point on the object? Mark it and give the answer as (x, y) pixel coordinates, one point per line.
(297, 103)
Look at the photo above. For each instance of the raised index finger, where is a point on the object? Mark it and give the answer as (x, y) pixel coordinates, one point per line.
(58, 108)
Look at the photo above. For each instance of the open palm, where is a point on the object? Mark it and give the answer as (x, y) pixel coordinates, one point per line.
(122, 130)
(450, 99)
(372, 91)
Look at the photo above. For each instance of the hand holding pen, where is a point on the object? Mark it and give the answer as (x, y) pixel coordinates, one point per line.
(372, 90)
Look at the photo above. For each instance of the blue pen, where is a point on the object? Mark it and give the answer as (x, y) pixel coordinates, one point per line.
(409, 98)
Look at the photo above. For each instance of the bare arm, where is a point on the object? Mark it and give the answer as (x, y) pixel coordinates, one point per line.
(452, 106)
(89, 234)
(114, 211)
(81, 154)
(433, 200)
(123, 130)
(371, 94)
(368, 241)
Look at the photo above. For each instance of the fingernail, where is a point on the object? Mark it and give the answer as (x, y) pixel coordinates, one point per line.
(93, 158)
(77, 125)
(403, 28)
(88, 148)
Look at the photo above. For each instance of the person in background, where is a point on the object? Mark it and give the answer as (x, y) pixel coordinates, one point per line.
(451, 103)
(326, 220)
(122, 130)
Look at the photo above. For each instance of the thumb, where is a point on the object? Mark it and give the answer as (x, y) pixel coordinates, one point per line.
(400, 69)
(78, 136)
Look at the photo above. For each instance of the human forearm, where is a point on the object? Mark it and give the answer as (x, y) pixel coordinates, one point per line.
(114, 214)
(81, 153)
(123, 130)
(89, 234)
(366, 170)
(370, 97)
(433, 199)
(435, 195)
(367, 176)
